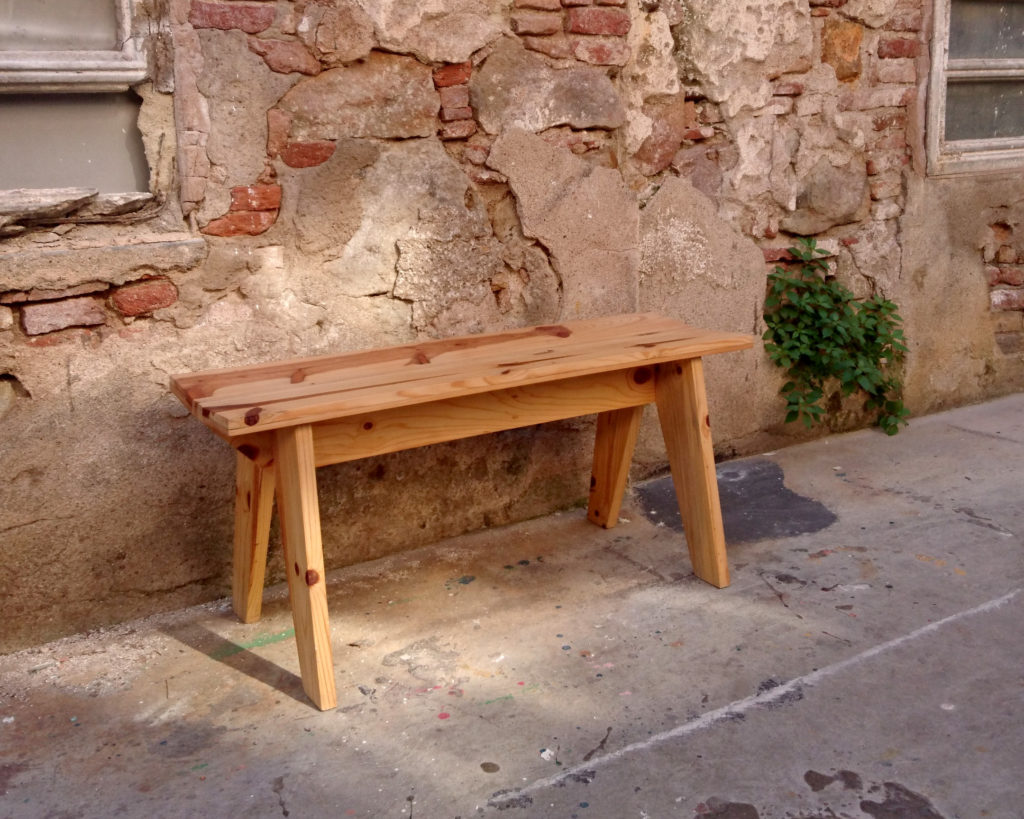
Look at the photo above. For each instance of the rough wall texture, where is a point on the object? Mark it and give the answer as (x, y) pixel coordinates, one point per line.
(337, 174)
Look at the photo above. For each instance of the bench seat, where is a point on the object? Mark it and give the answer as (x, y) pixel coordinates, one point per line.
(284, 419)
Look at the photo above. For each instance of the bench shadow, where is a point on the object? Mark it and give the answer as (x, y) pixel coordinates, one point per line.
(240, 658)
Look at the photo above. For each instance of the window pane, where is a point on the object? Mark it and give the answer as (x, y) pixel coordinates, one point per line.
(984, 109)
(58, 25)
(72, 140)
(986, 28)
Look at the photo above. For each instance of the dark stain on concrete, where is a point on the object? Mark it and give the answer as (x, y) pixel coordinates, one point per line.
(8, 771)
(900, 803)
(505, 800)
(188, 740)
(817, 781)
(756, 505)
(715, 808)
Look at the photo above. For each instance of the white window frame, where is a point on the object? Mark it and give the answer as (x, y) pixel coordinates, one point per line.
(27, 72)
(969, 155)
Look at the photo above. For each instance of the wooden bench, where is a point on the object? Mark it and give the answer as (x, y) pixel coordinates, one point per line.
(285, 419)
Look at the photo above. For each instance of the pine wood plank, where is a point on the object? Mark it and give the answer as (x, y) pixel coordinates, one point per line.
(451, 419)
(304, 560)
(683, 413)
(254, 505)
(614, 443)
(242, 408)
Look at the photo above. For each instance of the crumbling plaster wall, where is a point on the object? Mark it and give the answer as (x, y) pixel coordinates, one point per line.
(336, 174)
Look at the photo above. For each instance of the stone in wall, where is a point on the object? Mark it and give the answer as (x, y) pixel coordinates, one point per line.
(733, 48)
(829, 195)
(651, 73)
(353, 211)
(872, 13)
(515, 88)
(585, 217)
(442, 31)
(385, 96)
(336, 31)
(696, 266)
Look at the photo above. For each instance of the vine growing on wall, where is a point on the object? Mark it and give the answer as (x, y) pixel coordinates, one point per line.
(830, 342)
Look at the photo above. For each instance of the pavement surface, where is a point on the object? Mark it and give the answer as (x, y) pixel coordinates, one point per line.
(867, 661)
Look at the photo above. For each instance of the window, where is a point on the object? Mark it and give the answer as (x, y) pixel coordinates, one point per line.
(976, 96)
(67, 115)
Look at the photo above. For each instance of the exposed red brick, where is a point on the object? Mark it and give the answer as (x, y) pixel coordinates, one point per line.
(1012, 274)
(251, 19)
(832, 4)
(704, 132)
(307, 154)
(256, 197)
(592, 20)
(600, 50)
(142, 298)
(454, 74)
(894, 119)
(849, 241)
(1007, 299)
(459, 129)
(820, 12)
(568, 3)
(777, 254)
(536, 22)
(451, 114)
(544, 5)
(788, 89)
(454, 96)
(48, 316)
(285, 56)
(279, 123)
(898, 47)
(241, 223)
(610, 2)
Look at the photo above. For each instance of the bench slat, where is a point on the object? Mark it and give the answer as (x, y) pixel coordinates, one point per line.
(243, 400)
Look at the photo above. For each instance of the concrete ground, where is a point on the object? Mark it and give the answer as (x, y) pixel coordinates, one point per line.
(867, 661)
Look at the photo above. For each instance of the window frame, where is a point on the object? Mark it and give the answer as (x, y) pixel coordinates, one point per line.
(78, 71)
(968, 155)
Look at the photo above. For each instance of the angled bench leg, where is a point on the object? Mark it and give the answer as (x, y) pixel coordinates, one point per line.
(613, 452)
(683, 413)
(254, 506)
(304, 559)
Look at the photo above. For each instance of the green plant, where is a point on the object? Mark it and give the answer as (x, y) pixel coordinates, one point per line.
(828, 340)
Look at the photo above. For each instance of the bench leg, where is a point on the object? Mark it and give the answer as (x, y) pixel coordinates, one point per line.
(254, 505)
(683, 413)
(304, 560)
(613, 452)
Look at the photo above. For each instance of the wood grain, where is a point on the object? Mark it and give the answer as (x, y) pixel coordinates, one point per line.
(683, 413)
(240, 401)
(304, 561)
(614, 443)
(392, 430)
(254, 506)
